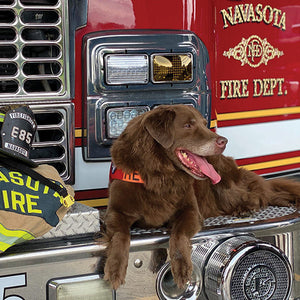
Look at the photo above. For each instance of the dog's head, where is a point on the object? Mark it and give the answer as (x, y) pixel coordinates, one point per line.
(165, 139)
(182, 131)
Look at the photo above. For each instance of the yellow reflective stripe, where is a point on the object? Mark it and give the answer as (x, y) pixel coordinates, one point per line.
(2, 117)
(272, 164)
(258, 113)
(4, 246)
(213, 123)
(14, 235)
(9, 238)
(94, 202)
(80, 133)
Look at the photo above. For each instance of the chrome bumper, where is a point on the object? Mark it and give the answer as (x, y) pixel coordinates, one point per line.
(250, 258)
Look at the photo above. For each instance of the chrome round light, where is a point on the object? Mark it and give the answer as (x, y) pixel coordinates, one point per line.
(167, 289)
(245, 268)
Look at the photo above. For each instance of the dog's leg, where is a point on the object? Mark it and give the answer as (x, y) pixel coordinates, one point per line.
(185, 226)
(158, 258)
(285, 192)
(117, 251)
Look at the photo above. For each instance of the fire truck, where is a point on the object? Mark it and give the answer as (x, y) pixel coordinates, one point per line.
(86, 67)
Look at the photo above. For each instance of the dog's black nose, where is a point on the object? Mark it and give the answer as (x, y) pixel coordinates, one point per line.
(221, 141)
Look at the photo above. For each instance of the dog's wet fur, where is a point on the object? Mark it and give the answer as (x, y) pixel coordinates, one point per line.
(186, 179)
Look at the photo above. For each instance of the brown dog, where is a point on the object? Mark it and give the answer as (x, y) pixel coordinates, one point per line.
(170, 147)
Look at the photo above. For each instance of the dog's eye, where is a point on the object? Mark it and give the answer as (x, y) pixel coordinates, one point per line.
(187, 125)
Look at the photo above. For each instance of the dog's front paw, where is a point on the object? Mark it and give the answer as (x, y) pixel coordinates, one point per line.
(115, 272)
(182, 271)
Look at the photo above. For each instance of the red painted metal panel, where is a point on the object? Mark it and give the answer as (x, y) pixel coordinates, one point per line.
(256, 63)
(253, 47)
(105, 15)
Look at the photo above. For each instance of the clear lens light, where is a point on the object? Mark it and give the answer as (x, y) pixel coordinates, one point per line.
(118, 118)
(172, 68)
(80, 288)
(126, 69)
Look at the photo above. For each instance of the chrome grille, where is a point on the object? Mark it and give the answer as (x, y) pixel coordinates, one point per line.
(54, 139)
(33, 48)
(260, 275)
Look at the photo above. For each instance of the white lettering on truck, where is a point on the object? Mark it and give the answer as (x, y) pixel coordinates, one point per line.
(12, 281)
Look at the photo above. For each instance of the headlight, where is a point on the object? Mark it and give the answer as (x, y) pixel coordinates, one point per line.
(126, 69)
(172, 68)
(134, 69)
(139, 68)
(118, 118)
(81, 287)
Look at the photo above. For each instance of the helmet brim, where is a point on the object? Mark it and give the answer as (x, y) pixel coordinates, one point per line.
(25, 160)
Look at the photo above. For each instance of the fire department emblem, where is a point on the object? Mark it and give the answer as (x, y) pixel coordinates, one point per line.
(253, 51)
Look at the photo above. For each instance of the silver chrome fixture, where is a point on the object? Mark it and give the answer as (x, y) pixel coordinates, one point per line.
(167, 289)
(138, 70)
(243, 267)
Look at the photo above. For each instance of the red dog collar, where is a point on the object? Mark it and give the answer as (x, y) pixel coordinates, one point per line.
(115, 173)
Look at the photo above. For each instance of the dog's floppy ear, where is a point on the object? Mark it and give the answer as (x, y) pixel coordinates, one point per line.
(160, 125)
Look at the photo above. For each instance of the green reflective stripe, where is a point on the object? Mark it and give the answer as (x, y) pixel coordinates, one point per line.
(9, 238)
(2, 117)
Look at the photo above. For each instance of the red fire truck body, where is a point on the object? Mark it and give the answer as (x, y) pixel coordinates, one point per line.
(253, 70)
(87, 67)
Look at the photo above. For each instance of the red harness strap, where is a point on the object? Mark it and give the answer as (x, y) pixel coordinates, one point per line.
(115, 173)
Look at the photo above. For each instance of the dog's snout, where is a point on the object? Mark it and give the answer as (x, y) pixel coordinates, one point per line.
(221, 141)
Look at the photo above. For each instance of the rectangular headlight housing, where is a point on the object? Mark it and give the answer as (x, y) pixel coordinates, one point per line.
(120, 72)
(117, 118)
(126, 69)
(172, 67)
(78, 288)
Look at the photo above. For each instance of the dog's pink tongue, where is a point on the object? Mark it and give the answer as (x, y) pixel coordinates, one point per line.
(207, 169)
